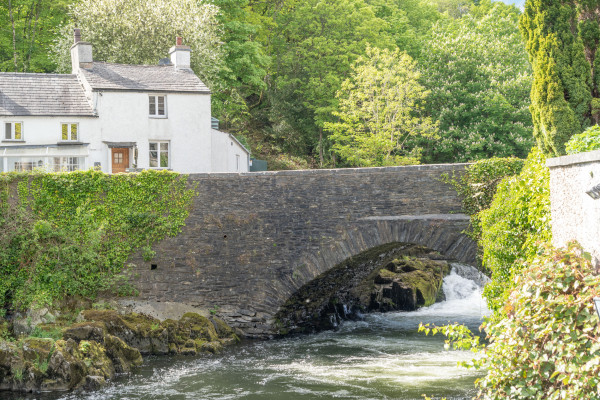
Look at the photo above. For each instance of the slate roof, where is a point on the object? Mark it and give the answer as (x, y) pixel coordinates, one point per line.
(145, 78)
(42, 94)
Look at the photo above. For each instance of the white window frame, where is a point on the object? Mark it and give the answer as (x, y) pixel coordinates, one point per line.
(153, 111)
(69, 133)
(12, 131)
(158, 143)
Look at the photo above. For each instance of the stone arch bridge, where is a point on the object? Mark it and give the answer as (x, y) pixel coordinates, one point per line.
(253, 239)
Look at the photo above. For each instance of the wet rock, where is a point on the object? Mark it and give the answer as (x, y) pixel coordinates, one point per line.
(94, 382)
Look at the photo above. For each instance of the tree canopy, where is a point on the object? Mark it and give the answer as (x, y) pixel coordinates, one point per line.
(275, 67)
(562, 40)
(480, 78)
(380, 107)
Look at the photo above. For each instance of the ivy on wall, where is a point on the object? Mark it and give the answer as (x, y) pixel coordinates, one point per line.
(70, 234)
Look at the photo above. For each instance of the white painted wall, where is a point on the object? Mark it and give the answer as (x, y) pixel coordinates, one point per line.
(227, 154)
(47, 131)
(124, 117)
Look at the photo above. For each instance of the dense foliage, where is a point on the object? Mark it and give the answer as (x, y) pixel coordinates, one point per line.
(70, 234)
(546, 346)
(480, 79)
(588, 140)
(27, 31)
(562, 39)
(380, 107)
(549, 338)
(515, 225)
(477, 186)
(142, 31)
(274, 67)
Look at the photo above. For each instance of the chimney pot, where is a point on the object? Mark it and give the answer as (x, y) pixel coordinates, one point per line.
(179, 41)
(77, 35)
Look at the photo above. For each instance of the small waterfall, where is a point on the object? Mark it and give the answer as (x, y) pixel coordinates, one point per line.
(470, 272)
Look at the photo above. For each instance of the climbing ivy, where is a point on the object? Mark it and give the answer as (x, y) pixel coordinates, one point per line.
(476, 187)
(514, 226)
(70, 234)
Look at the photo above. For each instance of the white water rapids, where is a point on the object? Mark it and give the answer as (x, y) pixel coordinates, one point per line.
(381, 357)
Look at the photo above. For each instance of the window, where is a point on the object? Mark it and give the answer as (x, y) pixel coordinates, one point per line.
(66, 164)
(54, 164)
(13, 131)
(157, 106)
(159, 154)
(69, 132)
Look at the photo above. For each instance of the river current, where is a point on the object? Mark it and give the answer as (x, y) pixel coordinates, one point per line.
(380, 357)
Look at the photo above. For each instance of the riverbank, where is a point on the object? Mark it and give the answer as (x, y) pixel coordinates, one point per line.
(88, 351)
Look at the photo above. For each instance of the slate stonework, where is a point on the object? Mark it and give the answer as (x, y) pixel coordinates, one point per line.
(253, 239)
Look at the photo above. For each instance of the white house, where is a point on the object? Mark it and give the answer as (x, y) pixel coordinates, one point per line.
(113, 117)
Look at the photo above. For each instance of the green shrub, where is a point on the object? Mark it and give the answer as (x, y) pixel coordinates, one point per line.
(476, 187)
(545, 345)
(588, 140)
(48, 333)
(514, 225)
(70, 234)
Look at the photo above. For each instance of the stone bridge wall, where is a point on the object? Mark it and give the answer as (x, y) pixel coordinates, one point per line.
(253, 239)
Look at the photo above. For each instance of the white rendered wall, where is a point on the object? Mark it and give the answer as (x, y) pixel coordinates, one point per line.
(575, 215)
(48, 131)
(124, 117)
(225, 153)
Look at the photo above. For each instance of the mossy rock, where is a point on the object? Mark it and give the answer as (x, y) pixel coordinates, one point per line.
(124, 357)
(95, 359)
(91, 330)
(224, 331)
(196, 326)
(212, 347)
(35, 349)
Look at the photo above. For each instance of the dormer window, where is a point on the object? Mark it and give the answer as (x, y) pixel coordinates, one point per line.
(69, 132)
(157, 106)
(13, 131)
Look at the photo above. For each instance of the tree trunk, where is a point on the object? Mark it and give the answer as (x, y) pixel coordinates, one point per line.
(14, 34)
(321, 147)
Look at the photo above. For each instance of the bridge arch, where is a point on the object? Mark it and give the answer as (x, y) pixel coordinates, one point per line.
(252, 240)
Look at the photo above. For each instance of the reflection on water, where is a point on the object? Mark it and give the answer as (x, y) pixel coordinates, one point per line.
(382, 357)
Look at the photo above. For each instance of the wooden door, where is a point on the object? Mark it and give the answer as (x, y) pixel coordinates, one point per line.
(120, 160)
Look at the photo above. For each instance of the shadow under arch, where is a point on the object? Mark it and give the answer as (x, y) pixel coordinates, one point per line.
(349, 288)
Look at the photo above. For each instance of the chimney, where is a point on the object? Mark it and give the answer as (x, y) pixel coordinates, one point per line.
(81, 53)
(180, 54)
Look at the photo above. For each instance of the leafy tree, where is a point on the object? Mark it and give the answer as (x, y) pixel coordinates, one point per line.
(27, 31)
(380, 106)
(408, 21)
(242, 72)
(314, 44)
(479, 77)
(142, 31)
(562, 40)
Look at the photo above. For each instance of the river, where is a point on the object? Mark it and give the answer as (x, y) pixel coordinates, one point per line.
(381, 357)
